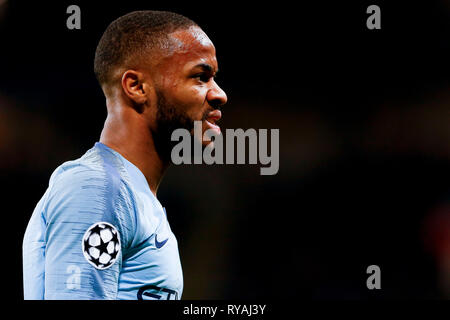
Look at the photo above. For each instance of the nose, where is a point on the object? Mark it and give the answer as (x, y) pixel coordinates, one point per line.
(216, 96)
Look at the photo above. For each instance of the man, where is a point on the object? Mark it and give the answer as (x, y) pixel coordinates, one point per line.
(99, 231)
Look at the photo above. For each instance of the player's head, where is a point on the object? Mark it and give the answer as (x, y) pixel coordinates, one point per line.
(162, 65)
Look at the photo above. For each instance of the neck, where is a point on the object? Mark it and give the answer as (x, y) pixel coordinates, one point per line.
(126, 132)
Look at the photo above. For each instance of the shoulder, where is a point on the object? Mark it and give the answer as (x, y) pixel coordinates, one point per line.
(90, 182)
(73, 177)
(86, 191)
(95, 172)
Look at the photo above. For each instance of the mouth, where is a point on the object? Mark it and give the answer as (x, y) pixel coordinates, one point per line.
(211, 119)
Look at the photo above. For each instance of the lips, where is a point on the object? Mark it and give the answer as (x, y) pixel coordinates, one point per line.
(214, 116)
(211, 119)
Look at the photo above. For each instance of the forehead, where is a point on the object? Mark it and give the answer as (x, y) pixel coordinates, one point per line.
(190, 47)
(192, 38)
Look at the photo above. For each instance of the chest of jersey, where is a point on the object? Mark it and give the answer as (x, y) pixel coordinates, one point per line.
(151, 268)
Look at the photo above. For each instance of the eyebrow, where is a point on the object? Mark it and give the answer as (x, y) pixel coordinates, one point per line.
(207, 67)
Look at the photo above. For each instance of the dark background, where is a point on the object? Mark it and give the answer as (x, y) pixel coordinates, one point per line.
(364, 143)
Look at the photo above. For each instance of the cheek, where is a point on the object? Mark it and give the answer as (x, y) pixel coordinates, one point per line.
(191, 100)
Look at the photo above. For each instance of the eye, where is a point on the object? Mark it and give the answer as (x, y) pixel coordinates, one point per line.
(203, 77)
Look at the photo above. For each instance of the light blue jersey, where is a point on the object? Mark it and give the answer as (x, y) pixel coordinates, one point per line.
(100, 233)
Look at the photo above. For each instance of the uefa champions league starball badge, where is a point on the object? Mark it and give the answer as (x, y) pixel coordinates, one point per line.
(101, 245)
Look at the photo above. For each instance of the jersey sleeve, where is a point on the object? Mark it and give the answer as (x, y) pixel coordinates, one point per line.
(33, 258)
(90, 222)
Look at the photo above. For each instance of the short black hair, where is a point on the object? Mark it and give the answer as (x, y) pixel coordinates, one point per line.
(131, 36)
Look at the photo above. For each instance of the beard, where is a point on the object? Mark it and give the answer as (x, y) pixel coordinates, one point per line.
(168, 119)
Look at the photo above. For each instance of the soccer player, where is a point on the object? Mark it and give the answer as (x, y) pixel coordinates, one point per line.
(99, 231)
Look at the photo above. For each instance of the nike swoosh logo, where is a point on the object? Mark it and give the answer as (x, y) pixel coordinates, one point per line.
(160, 244)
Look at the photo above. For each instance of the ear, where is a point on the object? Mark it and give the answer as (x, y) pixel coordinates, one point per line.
(135, 88)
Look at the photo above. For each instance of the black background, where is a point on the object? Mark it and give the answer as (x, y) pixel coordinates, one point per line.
(364, 143)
